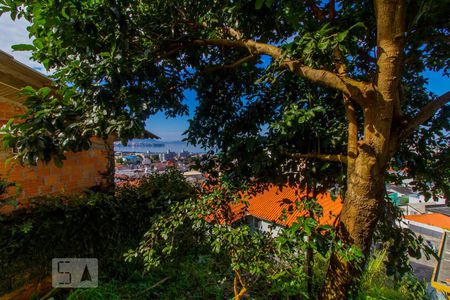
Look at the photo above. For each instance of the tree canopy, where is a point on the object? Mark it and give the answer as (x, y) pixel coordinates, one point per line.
(334, 88)
(119, 62)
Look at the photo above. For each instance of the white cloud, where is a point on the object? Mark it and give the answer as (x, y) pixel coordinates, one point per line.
(15, 32)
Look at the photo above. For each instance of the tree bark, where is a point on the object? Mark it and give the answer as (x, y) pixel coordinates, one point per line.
(363, 201)
(110, 168)
(362, 208)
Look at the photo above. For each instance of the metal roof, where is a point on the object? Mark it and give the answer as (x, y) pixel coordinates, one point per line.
(400, 189)
(441, 209)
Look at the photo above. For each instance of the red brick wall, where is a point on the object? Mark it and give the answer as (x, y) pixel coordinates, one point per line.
(79, 172)
(7, 111)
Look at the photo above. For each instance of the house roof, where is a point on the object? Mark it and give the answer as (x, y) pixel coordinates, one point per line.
(400, 189)
(442, 209)
(192, 173)
(14, 75)
(147, 135)
(144, 135)
(435, 219)
(270, 204)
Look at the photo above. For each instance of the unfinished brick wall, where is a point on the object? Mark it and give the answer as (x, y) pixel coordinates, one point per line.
(80, 171)
(9, 110)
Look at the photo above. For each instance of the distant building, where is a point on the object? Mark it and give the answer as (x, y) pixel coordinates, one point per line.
(193, 176)
(168, 155)
(184, 154)
(146, 161)
(410, 202)
(159, 167)
(132, 159)
(432, 224)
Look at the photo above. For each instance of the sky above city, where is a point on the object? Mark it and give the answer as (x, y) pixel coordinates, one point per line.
(14, 32)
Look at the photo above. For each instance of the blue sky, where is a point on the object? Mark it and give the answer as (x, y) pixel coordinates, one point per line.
(168, 129)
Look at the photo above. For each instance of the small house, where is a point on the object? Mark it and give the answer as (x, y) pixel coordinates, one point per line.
(80, 171)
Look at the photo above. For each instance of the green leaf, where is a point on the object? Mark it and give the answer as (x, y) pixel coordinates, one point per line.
(269, 3)
(259, 4)
(44, 91)
(341, 36)
(23, 47)
(58, 162)
(38, 43)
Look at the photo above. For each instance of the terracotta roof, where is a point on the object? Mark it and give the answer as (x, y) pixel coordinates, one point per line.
(129, 183)
(121, 176)
(269, 206)
(437, 220)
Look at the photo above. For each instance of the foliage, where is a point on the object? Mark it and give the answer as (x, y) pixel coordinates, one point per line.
(124, 68)
(91, 225)
(400, 243)
(272, 78)
(4, 186)
(271, 263)
(208, 277)
(6, 195)
(198, 278)
(376, 284)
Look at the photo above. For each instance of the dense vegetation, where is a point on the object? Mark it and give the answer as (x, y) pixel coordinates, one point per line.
(200, 264)
(94, 224)
(327, 95)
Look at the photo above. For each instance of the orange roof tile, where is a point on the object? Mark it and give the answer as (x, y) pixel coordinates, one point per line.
(269, 206)
(438, 220)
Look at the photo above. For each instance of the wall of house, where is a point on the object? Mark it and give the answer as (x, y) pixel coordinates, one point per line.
(263, 226)
(80, 171)
(9, 110)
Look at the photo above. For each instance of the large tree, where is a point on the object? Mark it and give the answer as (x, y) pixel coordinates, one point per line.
(278, 82)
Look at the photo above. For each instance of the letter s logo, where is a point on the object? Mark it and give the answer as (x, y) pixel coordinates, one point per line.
(66, 277)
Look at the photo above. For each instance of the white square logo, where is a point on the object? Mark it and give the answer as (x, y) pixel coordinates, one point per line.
(74, 272)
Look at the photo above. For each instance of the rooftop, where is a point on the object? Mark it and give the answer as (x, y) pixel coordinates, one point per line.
(400, 189)
(442, 209)
(270, 204)
(14, 75)
(434, 219)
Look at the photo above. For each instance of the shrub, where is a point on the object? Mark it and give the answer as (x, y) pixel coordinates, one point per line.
(375, 284)
(94, 224)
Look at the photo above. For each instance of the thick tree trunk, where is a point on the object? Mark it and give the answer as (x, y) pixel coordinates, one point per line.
(363, 201)
(362, 207)
(110, 168)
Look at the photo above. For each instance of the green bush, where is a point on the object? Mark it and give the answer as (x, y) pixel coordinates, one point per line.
(6, 187)
(193, 277)
(106, 225)
(375, 284)
(94, 224)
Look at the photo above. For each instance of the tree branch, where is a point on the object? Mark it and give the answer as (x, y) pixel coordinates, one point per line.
(317, 12)
(350, 113)
(357, 90)
(332, 9)
(426, 113)
(326, 157)
(230, 66)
